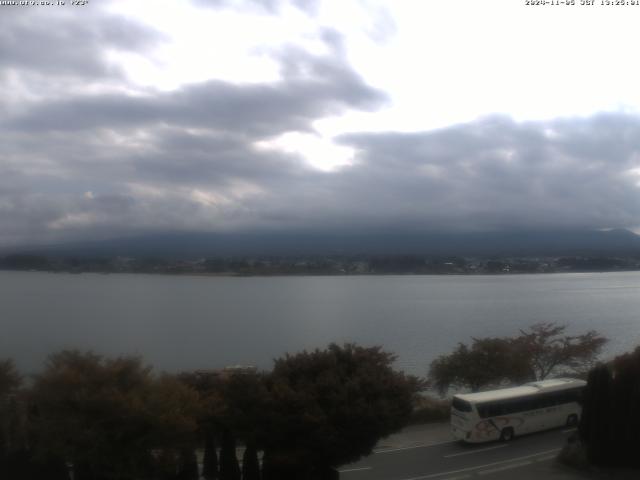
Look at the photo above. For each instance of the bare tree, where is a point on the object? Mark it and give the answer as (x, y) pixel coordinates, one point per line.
(548, 350)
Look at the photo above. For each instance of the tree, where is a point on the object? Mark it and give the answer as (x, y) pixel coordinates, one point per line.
(330, 407)
(250, 463)
(15, 459)
(210, 458)
(594, 428)
(548, 350)
(208, 385)
(229, 468)
(610, 423)
(10, 379)
(188, 465)
(487, 361)
(109, 416)
(539, 351)
(234, 405)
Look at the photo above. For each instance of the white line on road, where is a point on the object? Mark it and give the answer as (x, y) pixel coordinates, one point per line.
(476, 450)
(569, 430)
(506, 467)
(421, 445)
(477, 467)
(354, 469)
(457, 478)
(546, 459)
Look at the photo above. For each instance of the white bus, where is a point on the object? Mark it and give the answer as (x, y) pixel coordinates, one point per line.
(505, 413)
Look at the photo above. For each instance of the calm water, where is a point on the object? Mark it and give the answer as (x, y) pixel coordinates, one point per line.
(179, 322)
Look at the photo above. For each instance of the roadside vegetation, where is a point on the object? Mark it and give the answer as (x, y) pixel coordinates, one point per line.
(115, 419)
(538, 352)
(609, 431)
(103, 418)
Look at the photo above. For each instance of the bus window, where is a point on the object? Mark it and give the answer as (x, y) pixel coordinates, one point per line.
(461, 405)
(495, 409)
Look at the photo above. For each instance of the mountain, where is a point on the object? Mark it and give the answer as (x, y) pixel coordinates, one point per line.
(198, 244)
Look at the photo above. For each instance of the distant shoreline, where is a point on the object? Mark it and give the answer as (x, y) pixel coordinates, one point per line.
(323, 265)
(308, 274)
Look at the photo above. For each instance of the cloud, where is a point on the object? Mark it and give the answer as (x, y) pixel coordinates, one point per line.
(498, 174)
(313, 87)
(266, 6)
(171, 160)
(58, 43)
(491, 174)
(85, 163)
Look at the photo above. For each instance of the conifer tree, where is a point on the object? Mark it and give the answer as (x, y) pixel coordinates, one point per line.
(595, 424)
(250, 463)
(229, 468)
(210, 459)
(188, 467)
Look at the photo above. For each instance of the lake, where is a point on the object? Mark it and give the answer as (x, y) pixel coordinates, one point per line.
(189, 322)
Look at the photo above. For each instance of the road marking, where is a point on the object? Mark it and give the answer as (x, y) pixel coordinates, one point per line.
(452, 472)
(569, 430)
(355, 469)
(457, 478)
(506, 467)
(476, 451)
(545, 459)
(420, 445)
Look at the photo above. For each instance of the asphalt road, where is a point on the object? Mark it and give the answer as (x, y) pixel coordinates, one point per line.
(456, 460)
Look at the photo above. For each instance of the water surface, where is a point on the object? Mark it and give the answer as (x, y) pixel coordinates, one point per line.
(187, 322)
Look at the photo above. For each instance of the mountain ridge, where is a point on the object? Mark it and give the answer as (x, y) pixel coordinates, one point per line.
(202, 244)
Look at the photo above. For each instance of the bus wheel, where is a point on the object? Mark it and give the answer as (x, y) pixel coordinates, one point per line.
(572, 420)
(507, 434)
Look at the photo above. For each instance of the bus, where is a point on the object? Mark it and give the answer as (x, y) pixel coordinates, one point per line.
(503, 414)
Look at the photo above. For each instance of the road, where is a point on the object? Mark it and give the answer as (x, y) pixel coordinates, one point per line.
(454, 460)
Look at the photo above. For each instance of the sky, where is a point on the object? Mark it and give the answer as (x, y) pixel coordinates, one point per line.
(137, 116)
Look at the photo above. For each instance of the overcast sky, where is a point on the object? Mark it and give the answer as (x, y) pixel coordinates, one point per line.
(133, 116)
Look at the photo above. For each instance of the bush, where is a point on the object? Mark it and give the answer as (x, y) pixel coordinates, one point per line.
(428, 409)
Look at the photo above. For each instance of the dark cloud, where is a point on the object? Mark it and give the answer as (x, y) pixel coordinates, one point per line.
(499, 174)
(313, 87)
(492, 174)
(109, 163)
(49, 42)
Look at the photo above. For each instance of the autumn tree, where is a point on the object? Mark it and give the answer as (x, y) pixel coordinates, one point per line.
(537, 352)
(111, 417)
(330, 407)
(548, 350)
(487, 361)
